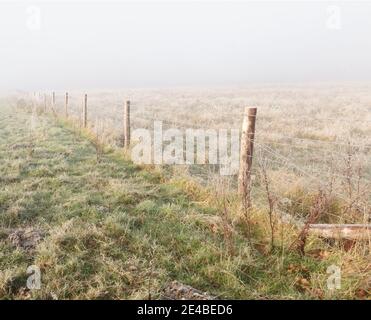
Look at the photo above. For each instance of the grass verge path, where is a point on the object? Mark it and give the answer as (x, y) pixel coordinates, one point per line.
(109, 229)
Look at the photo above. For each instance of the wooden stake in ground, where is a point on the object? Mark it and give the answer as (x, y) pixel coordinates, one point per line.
(127, 124)
(86, 111)
(246, 155)
(66, 105)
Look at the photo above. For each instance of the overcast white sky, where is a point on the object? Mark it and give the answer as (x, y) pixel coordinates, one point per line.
(100, 44)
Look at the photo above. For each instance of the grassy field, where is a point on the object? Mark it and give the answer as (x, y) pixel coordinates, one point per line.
(309, 138)
(110, 229)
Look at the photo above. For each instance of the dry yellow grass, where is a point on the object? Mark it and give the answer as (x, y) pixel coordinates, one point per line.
(314, 137)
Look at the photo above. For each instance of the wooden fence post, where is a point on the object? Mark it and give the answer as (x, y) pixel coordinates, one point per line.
(66, 105)
(86, 111)
(246, 155)
(127, 124)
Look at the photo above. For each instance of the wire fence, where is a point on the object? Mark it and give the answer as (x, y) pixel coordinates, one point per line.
(341, 163)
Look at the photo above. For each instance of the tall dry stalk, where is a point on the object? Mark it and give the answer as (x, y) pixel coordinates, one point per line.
(271, 199)
(318, 208)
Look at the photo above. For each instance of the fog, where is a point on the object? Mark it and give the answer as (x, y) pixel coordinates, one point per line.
(106, 44)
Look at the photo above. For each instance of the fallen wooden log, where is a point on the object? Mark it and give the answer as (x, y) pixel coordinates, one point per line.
(342, 231)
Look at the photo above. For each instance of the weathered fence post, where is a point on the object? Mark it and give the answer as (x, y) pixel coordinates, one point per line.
(127, 124)
(246, 155)
(66, 105)
(86, 111)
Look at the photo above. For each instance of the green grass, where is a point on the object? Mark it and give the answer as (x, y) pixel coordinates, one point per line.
(115, 230)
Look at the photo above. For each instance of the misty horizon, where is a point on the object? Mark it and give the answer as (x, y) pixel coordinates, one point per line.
(56, 46)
